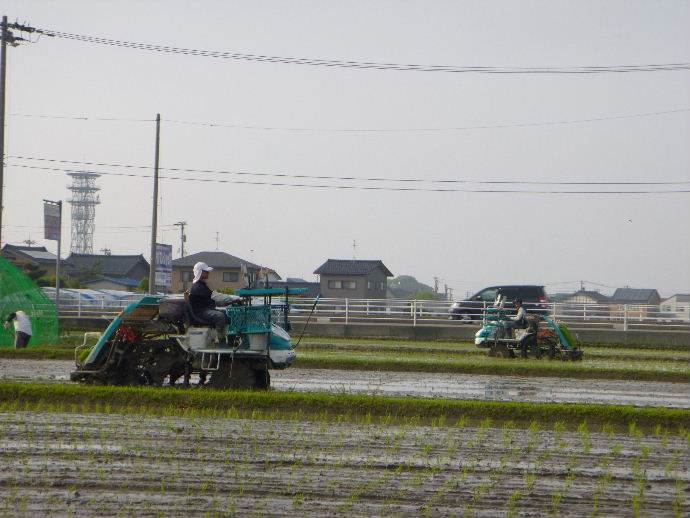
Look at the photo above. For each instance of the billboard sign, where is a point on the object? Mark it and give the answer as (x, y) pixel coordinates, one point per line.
(51, 221)
(164, 266)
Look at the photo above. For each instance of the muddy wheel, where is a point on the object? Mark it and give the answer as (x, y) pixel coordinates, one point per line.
(263, 379)
(231, 374)
(551, 349)
(502, 351)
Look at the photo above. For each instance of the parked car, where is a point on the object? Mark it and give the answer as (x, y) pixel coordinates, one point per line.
(534, 298)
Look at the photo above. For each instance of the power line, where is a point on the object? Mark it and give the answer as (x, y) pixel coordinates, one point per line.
(346, 178)
(371, 65)
(505, 125)
(79, 117)
(357, 187)
(123, 227)
(429, 130)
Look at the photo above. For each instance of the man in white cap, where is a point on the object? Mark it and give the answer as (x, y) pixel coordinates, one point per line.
(203, 305)
(22, 328)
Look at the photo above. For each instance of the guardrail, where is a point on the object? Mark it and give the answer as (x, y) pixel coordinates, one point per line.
(579, 316)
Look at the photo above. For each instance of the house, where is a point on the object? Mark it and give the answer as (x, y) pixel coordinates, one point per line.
(639, 299)
(31, 259)
(108, 271)
(584, 297)
(313, 288)
(406, 287)
(352, 278)
(678, 304)
(636, 296)
(558, 297)
(227, 271)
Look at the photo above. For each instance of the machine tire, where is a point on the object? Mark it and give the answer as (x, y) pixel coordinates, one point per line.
(502, 351)
(236, 374)
(263, 379)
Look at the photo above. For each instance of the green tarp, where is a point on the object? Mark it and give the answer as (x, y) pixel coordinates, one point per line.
(19, 292)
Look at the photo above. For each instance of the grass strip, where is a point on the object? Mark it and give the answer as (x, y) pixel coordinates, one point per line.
(458, 342)
(495, 366)
(468, 349)
(39, 352)
(329, 407)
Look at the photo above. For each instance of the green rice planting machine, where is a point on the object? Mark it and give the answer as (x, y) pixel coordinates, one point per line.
(540, 336)
(159, 340)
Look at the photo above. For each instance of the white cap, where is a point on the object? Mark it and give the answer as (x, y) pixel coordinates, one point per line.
(199, 268)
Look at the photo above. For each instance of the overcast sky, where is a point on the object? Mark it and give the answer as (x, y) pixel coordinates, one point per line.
(469, 240)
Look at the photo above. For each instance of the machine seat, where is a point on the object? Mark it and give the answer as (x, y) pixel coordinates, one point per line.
(190, 318)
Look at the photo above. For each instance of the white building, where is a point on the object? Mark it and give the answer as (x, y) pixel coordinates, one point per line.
(678, 304)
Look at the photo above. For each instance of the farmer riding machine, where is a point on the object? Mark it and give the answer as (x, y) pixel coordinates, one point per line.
(159, 339)
(539, 336)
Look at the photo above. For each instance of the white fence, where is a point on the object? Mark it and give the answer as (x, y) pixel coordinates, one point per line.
(622, 317)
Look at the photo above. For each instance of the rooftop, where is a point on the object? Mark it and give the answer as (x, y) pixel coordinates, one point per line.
(595, 295)
(107, 265)
(633, 295)
(38, 253)
(351, 267)
(681, 297)
(214, 260)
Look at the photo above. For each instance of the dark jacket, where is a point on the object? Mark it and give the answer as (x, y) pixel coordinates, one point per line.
(200, 298)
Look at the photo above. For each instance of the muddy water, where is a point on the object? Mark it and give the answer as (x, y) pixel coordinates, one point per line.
(499, 388)
(108, 465)
(457, 386)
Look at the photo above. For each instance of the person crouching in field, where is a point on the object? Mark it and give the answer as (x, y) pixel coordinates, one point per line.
(22, 328)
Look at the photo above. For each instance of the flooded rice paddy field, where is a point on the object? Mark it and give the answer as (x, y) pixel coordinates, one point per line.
(418, 384)
(108, 465)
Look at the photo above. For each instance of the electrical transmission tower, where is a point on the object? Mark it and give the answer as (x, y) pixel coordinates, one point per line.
(84, 200)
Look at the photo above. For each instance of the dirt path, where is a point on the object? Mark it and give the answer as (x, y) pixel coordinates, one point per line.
(107, 465)
(456, 386)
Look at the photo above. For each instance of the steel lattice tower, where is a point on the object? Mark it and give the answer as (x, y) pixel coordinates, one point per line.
(84, 200)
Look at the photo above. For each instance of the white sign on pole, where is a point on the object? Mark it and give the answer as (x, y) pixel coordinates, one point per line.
(164, 266)
(51, 221)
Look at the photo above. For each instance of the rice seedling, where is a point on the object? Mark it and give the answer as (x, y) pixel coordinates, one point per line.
(308, 406)
(583, 431)
(513, 502)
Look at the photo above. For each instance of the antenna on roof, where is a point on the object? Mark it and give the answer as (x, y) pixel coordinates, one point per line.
(30, 242)
(106, 251)
(217, 240)
(354, 249)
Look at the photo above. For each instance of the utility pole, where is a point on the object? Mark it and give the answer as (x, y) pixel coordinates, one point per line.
(3, 76)
(154, 212)
(7, 36)
(52, 222)
(183, 236)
